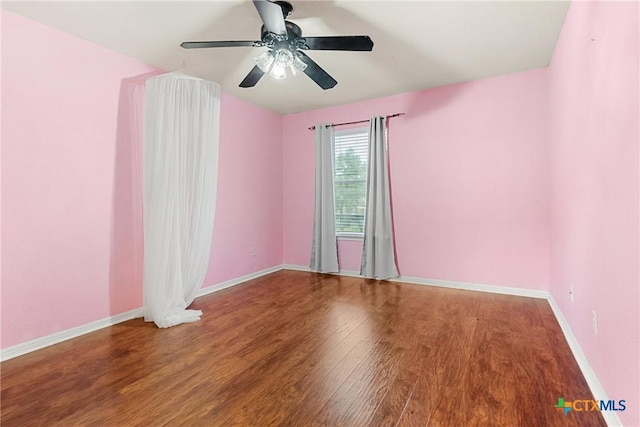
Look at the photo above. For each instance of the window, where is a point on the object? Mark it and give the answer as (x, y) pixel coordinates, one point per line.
(350, 180)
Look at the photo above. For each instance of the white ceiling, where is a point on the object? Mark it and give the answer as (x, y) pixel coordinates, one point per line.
(418, 44)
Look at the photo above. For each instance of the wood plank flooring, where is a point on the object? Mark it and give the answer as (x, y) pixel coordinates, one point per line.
(303, 349)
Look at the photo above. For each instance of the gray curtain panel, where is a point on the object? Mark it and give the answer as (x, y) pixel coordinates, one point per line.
(378, 253)
(324, 248)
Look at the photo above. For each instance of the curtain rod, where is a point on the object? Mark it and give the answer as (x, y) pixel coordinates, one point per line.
(358, 121)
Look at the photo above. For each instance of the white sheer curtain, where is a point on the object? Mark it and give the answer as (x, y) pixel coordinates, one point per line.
(181, 137)
(378, 253)
(324, 248)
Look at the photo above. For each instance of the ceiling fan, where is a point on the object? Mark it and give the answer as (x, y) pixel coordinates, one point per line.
(286, 45)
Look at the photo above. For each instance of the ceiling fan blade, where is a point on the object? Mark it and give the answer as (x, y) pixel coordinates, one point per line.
(317, 74)
(236, 43)
(271, 15)
(357, 43)
(252, 78)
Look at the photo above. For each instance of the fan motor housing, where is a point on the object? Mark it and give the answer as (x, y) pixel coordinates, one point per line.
(293, 31)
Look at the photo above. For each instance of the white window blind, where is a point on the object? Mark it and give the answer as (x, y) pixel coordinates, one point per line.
(350, 180)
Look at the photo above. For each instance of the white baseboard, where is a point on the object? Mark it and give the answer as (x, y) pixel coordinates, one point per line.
(67, 334)
(478, 287)
(467, 286)
(233, 282)
(295, 267)
(596, 388)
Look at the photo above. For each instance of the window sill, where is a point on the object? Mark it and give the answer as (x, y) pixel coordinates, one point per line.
(354, 236)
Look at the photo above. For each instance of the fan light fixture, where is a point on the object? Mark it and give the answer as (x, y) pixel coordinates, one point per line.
(278, 63)
(264, 61)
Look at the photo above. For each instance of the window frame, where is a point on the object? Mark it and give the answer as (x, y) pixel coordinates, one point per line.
(349, 235)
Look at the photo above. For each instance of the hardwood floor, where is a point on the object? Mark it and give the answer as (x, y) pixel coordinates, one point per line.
(303, 349)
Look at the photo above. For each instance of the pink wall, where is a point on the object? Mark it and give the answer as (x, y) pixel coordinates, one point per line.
(71, 236)
(594, 122)
(249, 205)
(469, 181)
(60, 125)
